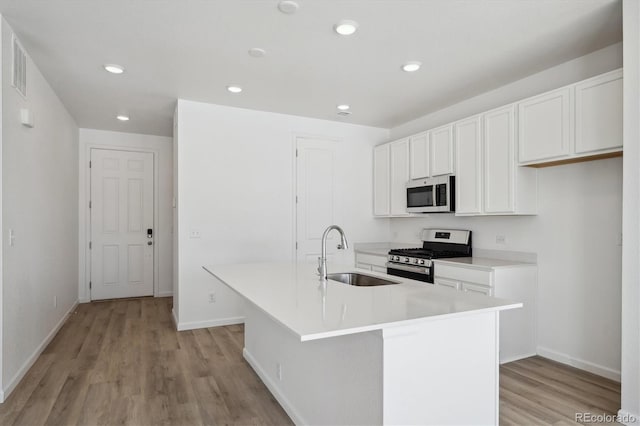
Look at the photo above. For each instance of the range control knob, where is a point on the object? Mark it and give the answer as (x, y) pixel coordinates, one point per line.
(416, 261)
(397, 258)
(422, 261)
(406, 259)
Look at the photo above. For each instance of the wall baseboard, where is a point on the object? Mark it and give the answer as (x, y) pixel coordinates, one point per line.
(6, 391)
(282, 400)
(165, 294)
(627, 418)
(581, 364)
(182, 326)
(174, 318)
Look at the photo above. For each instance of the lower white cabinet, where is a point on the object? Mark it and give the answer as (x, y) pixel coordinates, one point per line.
(516, 283)
(371, 262)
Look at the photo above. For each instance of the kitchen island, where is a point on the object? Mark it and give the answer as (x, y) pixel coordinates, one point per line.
(406, 353)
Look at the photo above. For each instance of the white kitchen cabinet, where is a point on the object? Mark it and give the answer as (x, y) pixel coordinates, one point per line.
(506, 280)
(442, 150)
(419, 155)
(381, 178)
(578, 122)
(598, 103)
(399, 177)
(544, 126)
(468, 139)
(371, 262)
(488, 181)
(507, 188)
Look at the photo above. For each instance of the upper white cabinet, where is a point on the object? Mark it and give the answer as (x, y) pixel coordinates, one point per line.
(399, 177)
(573, 123)
(544, 127)
(390, 176)
(419, 155)
(442, 150)
(381, 176)
(469, 165)
(599, 113)
(488, 181)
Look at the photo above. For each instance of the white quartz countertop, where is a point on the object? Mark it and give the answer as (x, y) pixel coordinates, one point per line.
(292, 294)
(481, 263)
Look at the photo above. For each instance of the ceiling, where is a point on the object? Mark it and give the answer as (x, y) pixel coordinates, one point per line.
(193, 49)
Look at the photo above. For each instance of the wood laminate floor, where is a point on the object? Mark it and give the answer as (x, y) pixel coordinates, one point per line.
(122, 362)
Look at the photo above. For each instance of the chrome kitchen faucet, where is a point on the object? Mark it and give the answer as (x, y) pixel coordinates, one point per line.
(322, 260)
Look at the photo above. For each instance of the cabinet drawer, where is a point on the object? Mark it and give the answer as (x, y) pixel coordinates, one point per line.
(363, 266)
(371, 259)
(444, 282)
(463, 274)
(475, 288)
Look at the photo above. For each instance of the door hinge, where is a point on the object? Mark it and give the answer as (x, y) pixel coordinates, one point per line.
(296, 245)
(89, 285)
(296, 199)
(296, 152)
(89, 245)
(89, 203)
(89, 164)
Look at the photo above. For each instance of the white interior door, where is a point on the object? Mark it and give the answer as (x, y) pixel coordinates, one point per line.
(121, 217)
(317, 202)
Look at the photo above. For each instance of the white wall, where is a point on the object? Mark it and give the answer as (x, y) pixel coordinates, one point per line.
(162, 147)
(39, 202)
(576, 233)
(236, 186)
(630, 398)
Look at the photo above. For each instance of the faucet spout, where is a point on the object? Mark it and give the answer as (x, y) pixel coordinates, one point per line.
(322, 260)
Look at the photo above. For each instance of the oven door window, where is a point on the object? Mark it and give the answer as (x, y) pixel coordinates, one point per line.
(420, 197)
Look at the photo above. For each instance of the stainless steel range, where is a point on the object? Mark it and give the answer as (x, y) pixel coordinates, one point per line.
(416, 264)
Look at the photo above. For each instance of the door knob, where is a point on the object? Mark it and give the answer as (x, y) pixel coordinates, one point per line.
(149, 243)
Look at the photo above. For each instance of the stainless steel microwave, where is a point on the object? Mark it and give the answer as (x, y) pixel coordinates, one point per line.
(431, 195)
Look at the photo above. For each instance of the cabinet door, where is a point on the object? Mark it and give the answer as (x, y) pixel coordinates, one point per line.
(544, 126)
(442, 151)
(475, 288)
(419, 155)
(399, 176)
(499, 160)
(469, 166)
(599, 113)
(376, 268)
(443, 282)
(381, 178)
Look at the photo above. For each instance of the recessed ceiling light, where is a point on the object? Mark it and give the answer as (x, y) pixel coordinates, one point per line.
(346, 27)
(122, 117)
(343, 107)
(256, 52)
(114, 69)
(288, 6)
(234, 89)
(411, 66)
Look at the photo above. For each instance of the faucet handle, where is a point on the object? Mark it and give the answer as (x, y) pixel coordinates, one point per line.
(319, 265)
(340, 246)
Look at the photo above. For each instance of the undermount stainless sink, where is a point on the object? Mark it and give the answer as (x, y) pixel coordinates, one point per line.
(360, 280)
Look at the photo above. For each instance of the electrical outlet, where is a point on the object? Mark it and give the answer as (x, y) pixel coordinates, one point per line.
(194, 233)
(55, 301)
(279, 371)
(501, 239)
(212, 297)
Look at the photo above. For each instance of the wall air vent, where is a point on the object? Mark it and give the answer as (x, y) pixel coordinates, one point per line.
(344, 113)
(19, 68)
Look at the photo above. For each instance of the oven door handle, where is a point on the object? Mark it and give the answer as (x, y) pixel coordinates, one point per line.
(408, 268)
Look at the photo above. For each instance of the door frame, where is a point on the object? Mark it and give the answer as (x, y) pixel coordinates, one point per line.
(84, 216)
(294, 182)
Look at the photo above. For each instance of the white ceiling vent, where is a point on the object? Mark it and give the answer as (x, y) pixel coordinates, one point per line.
(19, 68)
